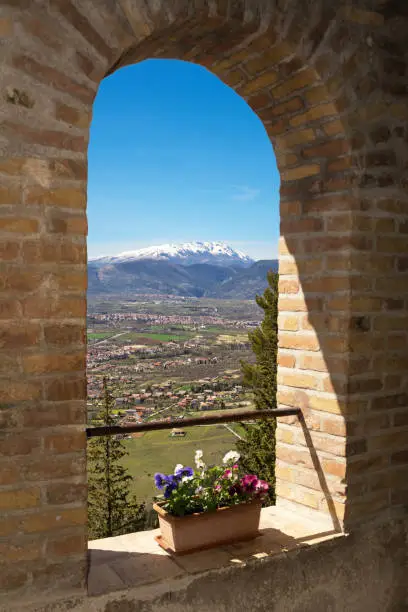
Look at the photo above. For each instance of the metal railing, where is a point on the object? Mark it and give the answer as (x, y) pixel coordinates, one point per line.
(231, 417)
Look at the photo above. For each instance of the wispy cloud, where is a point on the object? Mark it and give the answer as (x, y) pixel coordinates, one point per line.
(244, 193)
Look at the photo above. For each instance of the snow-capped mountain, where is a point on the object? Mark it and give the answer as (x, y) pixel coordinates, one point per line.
(188, 253)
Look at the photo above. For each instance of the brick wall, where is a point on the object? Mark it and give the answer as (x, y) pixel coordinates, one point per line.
(329, 84)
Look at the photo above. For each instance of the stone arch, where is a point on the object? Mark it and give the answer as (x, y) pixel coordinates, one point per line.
(317, 77)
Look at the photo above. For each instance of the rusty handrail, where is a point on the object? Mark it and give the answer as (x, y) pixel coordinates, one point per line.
(231, 417)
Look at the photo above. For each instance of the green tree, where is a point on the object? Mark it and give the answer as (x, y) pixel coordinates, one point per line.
(257, 450)
(112, 509)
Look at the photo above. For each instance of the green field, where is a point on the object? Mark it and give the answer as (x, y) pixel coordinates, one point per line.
(99, 335)
(138, 337)
(156, 451)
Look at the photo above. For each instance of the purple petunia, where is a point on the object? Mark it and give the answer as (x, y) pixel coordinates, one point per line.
(171, 483)
(183, 471)
(159, 480)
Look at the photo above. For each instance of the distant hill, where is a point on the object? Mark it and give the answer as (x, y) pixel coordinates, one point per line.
(150, 276)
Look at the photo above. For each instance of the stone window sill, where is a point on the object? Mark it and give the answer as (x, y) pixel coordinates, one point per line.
(135, 560)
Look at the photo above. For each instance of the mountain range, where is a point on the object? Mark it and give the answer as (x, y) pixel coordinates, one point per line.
(195, 269)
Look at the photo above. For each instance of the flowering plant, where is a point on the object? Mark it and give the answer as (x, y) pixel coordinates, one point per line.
(207, 488)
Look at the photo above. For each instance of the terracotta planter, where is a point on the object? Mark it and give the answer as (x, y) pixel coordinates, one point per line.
(182, 534)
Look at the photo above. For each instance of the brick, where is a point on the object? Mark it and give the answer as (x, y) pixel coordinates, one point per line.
(298, 137)
(18, 443)
(362, 16)
(10, 195)
(46, 138)
(276, 128)
(334, 467)
(74, 169)
(330, 202)
(9, 474)
(333, 426)
(62, 546)
(64, 334)
(6, 28)
(328, 444)
(334, 128)
(300, 226)
(288, 286)
(71, 281)
(306, 342)
(47, 74)
(65, 442)
(288, 323)
(72, 116)
(19, 391)
(333, 148)
(287, 267)
(388, 441)
(39, 30)
(20, 225)
(309, 499)
(52, 466)
(285, 435)
(344, 163)
(313, 114)
(326, 404)
(293, 455)
(12, 578)
(292, 304)
(361, 466)
(53, 520)
(317, 95)
(267, 59)
(298, 380)
(50, 414)
(283, 109)
(284, 472)
(302, 79)
(21, 549)
(63, 197)
(286, 361)
(259, 101)
(391, 244)
(84, 27)
(88, 67)
(69, 574)
(260, 82)
(284, 159)
(18, 279)
(21, 499)
(59, 307)
(9, 250)
(66, 493)
(300, 172)
(326, 284)
(47, 363)
(313, 362)
(400, 458)
(54, 250)
(65, 388)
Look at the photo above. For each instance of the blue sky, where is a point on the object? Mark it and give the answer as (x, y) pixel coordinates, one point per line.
(175, 155)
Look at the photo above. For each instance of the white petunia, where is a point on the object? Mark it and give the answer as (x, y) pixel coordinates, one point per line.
(178, 467)
(187, 478)
(198, 460)
(231, 457)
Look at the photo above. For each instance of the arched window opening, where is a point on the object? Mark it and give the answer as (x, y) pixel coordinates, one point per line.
(183, 200)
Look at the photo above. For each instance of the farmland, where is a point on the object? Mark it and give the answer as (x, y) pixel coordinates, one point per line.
(170, 358)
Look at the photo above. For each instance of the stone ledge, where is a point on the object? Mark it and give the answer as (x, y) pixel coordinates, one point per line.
(136, 560)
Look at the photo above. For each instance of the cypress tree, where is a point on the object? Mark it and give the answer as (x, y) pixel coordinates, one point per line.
(112, 510)
(257, 450)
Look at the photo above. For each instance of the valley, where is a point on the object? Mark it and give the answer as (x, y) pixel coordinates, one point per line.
(169, 358)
